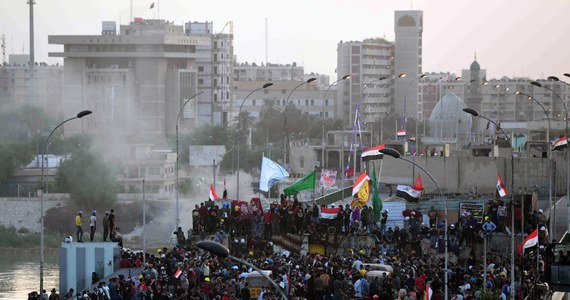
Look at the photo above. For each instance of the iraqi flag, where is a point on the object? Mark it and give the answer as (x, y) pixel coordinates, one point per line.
(329, 213)
(530, 241)
(372, 153)
(501, 187)
(560, 144)
(213, 196)
(428, 292)
(408, 193)
(362, 179)
(401, 133)
(177, 273)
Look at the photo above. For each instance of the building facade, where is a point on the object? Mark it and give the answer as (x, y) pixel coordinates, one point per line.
(135, 81)
(370, 65)
(16, 86)
(408, 26)
(215, 68)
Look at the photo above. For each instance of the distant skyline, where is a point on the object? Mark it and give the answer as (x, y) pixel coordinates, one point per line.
(513, 38)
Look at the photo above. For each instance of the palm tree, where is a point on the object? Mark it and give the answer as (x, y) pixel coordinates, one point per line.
(244, 121)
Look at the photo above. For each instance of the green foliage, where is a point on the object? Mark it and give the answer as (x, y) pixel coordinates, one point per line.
(12, 157)
(88, 180)
(11, 238)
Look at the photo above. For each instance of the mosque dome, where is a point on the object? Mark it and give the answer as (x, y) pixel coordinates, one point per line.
(449, 109)
(475, 66)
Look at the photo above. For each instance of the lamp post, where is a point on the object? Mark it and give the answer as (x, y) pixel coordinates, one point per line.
(286, 139)
(221, 251)
(178, 160)
(264, 86)
(323, 141)
(42, 246)
(535, 83)
(395, 154)
(552, 204)
(476, 114)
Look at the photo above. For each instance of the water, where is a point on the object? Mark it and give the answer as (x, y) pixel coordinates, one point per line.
(20, 274)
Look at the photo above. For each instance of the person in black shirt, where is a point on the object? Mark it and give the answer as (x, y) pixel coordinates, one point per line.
(245, 294)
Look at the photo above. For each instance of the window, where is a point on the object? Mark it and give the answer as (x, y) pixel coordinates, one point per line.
(200, 68)
(153, 171)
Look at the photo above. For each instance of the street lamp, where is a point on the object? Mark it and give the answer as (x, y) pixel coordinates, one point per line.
(476, 114)
(42, 246)
(264, 86)
(177, 159)
(395, 154)
(286, 139)
(221, 251)
(552, 204)
(323, 142)
(554, 78)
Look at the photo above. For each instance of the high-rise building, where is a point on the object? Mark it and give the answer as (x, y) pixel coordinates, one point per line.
(15, 85)
(408, 26)
(370, 64)
(214, 63)
(135, 81)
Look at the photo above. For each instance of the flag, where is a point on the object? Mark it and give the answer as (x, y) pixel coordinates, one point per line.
(271, 173)
(151, 6)
(401, 132)
(305, 183)
(213, 196)
(501, 187)
(177, 273)
(361, 189)
(329, 213)
(362, 179)
(372, 153)
(530, 241)
(560, 144)
(428, 292)
(418, 186)
(408, 193)
(376, 201)
(349, 172)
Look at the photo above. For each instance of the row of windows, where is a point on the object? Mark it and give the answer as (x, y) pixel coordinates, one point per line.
(282, 102)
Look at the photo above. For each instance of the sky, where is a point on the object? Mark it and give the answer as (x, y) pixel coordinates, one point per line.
(513, 38)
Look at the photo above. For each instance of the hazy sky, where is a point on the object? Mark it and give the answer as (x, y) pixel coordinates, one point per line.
(510, 37)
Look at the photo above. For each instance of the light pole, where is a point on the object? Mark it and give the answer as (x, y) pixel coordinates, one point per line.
(264, 86)
(42, 246)
(221, 251)
(286, 139)
(476, 114)
(178, 160)
(535, 83)
(395, 154)
(323, 142)
(551, 201)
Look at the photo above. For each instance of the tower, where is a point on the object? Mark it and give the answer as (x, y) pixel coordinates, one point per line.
(408, 59)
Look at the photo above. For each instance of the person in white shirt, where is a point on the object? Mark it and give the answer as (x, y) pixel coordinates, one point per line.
(92, 225)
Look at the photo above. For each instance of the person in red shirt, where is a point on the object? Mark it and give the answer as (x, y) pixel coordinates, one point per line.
(267, 225)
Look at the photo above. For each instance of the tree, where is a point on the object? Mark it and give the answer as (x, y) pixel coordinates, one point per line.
(89, 181)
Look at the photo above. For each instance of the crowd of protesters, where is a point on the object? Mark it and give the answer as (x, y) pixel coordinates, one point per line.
(415, 250)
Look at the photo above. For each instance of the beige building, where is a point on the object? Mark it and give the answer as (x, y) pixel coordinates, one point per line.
(15, 85)
(135, 80)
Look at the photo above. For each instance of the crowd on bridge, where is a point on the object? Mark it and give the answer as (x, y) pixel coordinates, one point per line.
(415, 250)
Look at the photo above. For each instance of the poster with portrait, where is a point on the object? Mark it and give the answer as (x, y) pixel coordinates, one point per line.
(471, 209)
(328, 179)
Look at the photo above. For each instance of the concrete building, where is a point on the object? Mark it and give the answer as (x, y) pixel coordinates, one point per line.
(408, 27)
(215, 63)
(15, 85)
(135, 81)
(268, 72)
(367, 62)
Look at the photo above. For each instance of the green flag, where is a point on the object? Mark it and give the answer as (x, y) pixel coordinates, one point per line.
(376, 201)
(305, 183)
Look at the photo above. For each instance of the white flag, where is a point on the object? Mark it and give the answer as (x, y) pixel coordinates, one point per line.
(271, 172)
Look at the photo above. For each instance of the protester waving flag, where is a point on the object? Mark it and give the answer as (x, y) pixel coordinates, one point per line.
(305, 183)
(530, 241)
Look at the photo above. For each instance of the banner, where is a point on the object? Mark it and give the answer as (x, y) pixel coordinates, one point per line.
(471, 209)
(305, 183)
(328, 179)
(271, 173)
